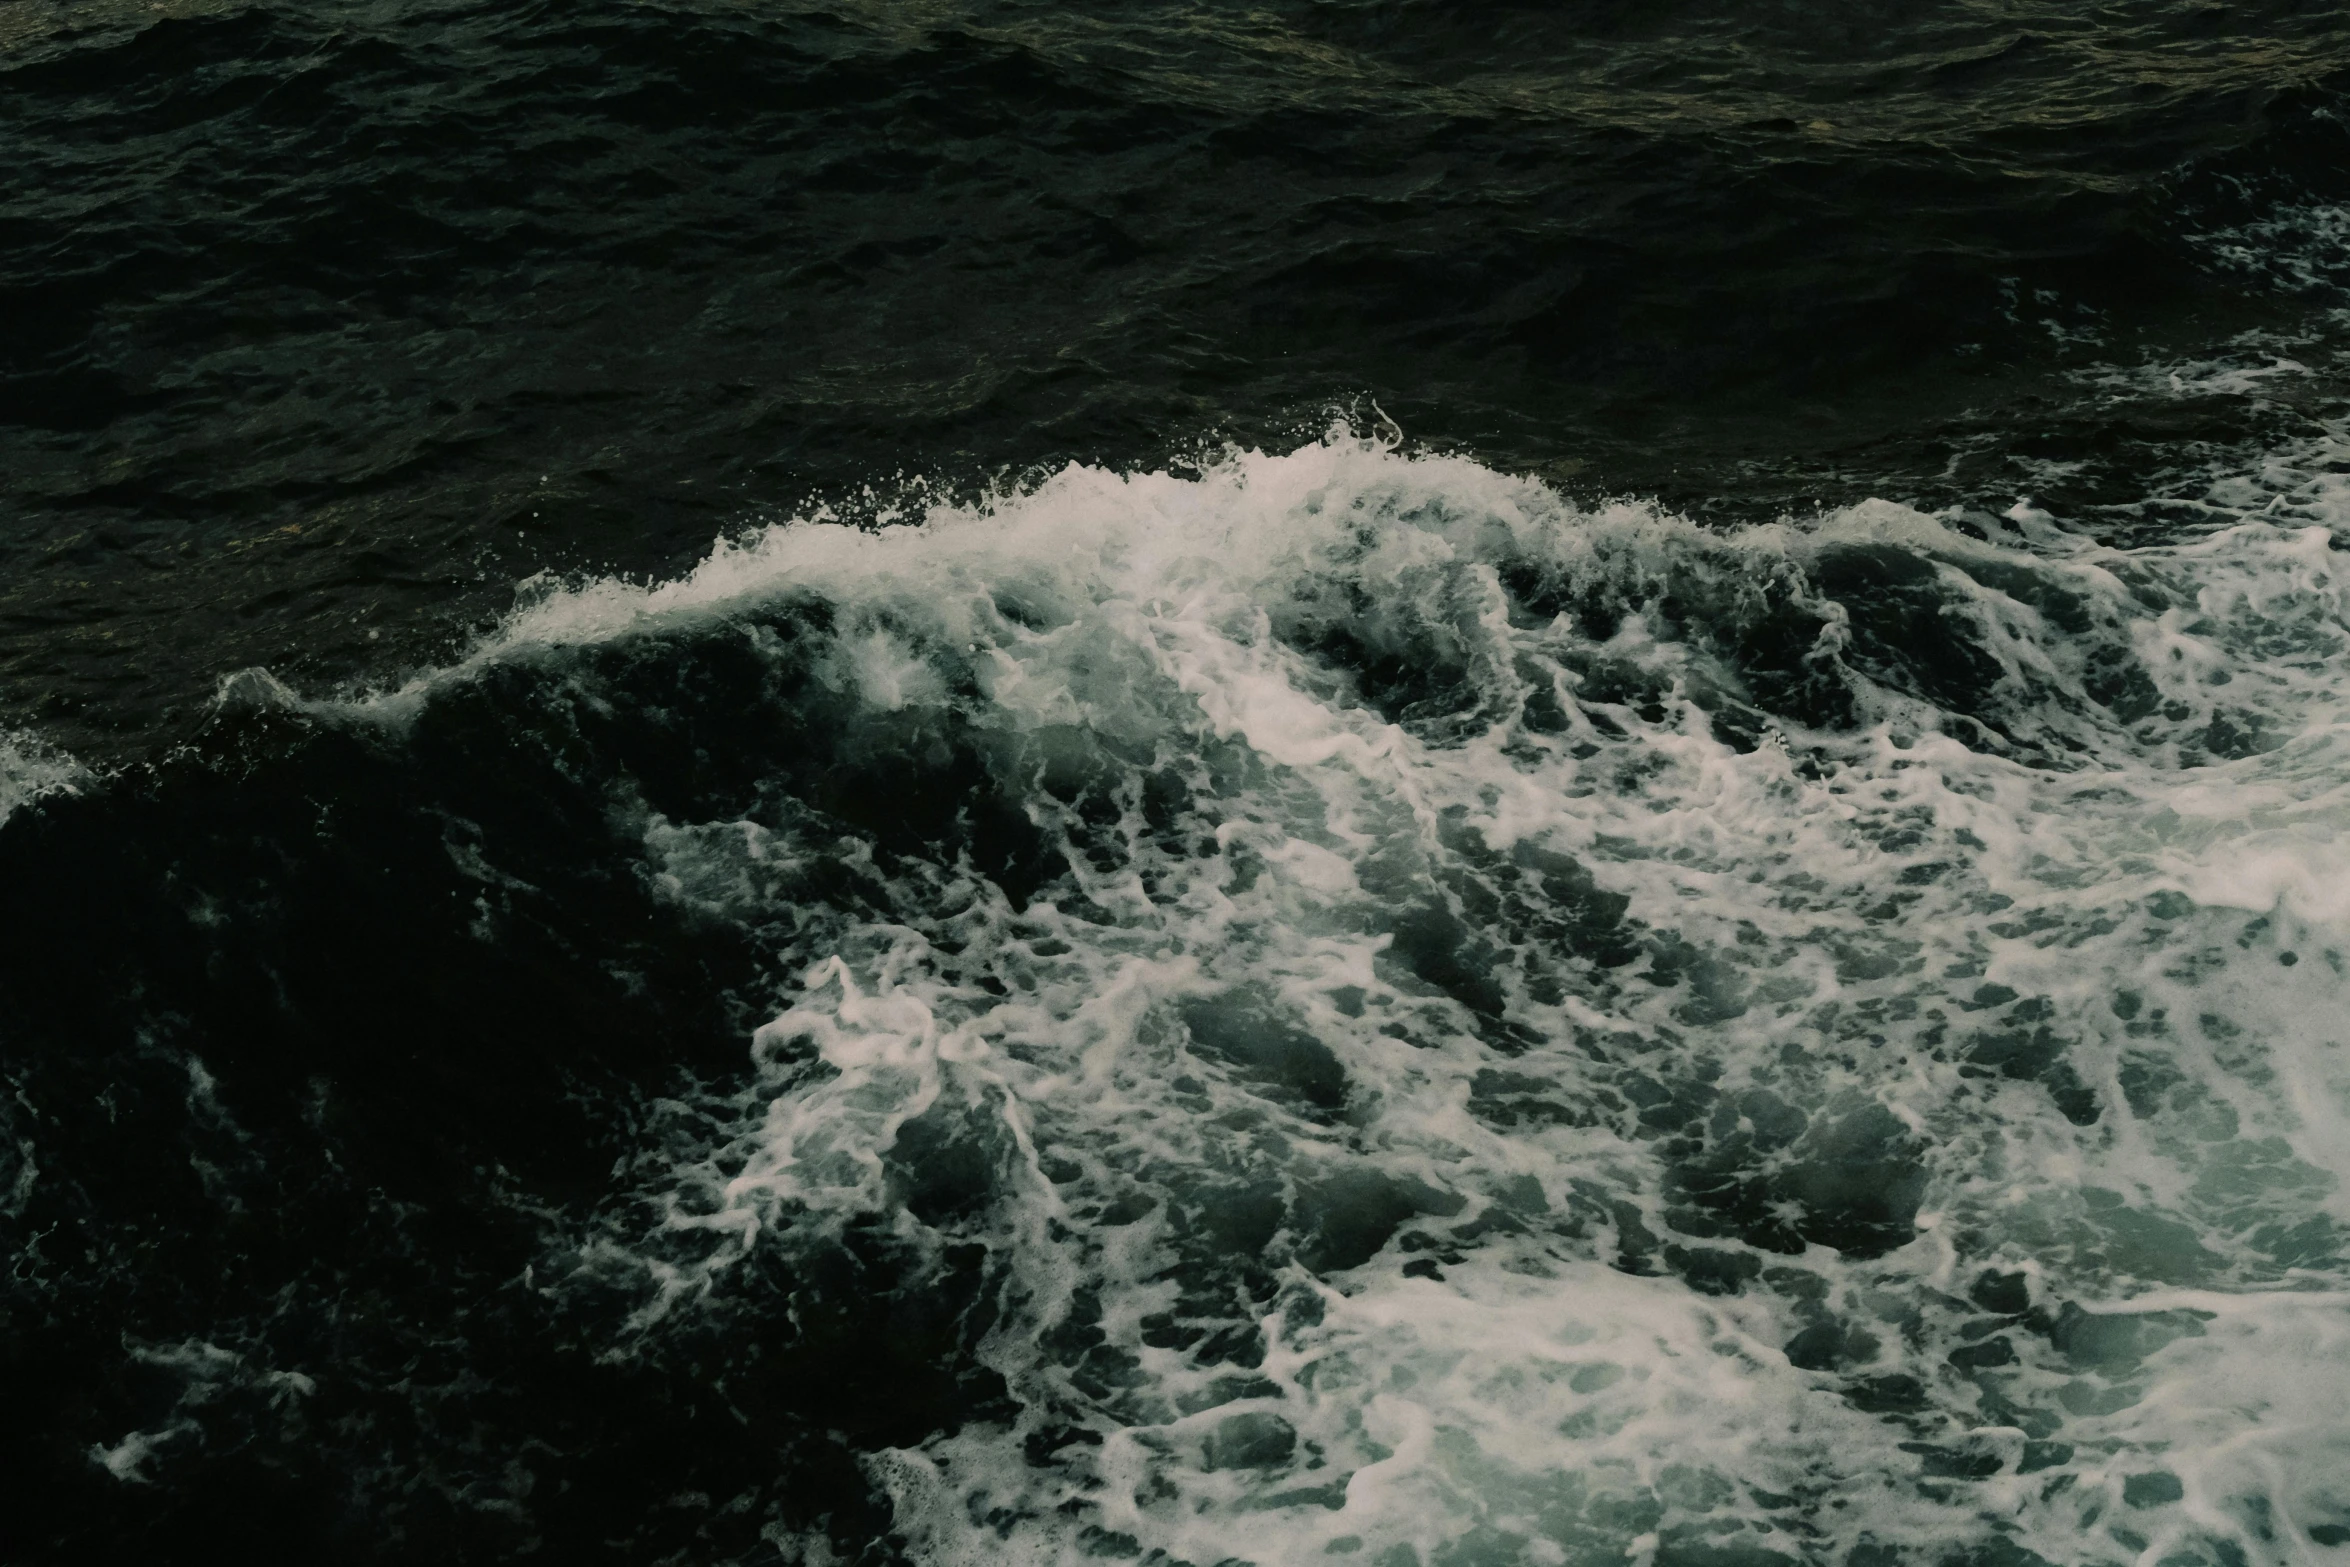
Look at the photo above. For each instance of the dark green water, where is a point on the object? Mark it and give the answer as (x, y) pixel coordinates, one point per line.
(1440, 785)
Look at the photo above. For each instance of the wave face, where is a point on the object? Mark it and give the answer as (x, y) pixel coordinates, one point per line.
(1338, 1004)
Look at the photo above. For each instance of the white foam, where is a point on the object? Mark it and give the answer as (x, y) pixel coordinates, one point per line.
(2298, 246)
(1888, 921)
(30, 767)
(2254, 365)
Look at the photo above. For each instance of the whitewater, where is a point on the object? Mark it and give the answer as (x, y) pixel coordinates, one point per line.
(1415, 1020)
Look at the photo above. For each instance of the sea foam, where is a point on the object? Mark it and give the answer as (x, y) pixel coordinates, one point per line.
(1543, 1032)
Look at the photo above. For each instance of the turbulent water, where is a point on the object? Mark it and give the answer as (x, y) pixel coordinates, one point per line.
(1726, 949)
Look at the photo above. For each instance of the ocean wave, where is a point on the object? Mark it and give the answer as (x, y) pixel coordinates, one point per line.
(1340, 1002)
(1515, 1032)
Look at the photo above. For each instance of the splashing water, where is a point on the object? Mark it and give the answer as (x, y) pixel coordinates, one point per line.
(1410, 1021)
(30, 768)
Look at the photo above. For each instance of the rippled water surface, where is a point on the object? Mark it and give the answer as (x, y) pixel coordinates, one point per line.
(1436, 785)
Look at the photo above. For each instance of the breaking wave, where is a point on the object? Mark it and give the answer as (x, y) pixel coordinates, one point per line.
(1396, 1016)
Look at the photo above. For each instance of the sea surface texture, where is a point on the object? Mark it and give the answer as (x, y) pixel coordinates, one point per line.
(1390, 782)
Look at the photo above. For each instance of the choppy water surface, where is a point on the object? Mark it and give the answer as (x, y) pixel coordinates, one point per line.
(1733, 954)
(328, 322)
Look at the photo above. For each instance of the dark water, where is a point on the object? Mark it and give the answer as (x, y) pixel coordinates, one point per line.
(328, 322)
(1446, 785)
